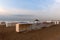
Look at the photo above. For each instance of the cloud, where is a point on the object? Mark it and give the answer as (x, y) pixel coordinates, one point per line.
(58, 1)
(11, 11)
(4, 11)
(53, 11)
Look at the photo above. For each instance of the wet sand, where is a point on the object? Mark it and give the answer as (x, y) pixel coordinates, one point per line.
(51, 33)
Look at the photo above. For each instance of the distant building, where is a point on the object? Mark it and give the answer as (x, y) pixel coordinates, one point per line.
(2, 24)
(36, 21)
(56, 22)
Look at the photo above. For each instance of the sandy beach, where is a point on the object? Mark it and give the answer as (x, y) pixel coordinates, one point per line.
(51, 33)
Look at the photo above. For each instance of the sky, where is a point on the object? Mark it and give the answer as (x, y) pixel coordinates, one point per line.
(41, 8)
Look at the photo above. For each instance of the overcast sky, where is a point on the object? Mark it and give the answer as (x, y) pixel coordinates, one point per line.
(40, 8)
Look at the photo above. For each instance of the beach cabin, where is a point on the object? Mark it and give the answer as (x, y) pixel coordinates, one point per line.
(3, 24)
(56, 22)
(36, 21)
(23, 27)
(49, 23)
(11, 24)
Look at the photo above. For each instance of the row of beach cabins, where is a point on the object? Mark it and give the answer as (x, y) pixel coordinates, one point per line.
(24, 26)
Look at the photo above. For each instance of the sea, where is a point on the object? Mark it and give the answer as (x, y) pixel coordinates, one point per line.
(17, 18)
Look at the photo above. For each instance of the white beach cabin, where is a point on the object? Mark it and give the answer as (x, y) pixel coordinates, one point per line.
(56, 22)
(23, 27)
(11, 24)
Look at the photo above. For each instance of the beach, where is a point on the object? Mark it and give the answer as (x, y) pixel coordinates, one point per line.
(50, 33)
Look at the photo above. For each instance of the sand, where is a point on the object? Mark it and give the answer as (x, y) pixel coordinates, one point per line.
(51, 33)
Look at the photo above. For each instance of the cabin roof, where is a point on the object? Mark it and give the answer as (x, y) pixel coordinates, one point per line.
(36, 20)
